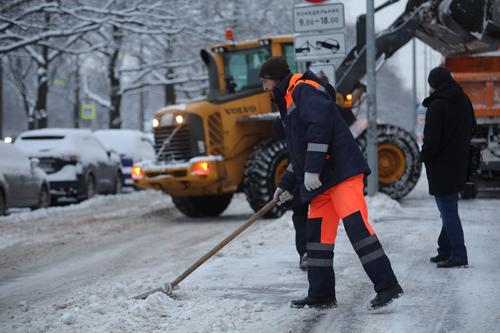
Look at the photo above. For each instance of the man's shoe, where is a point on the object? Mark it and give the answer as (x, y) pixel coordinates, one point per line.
(385, 297)
(303, 262)
(438, 258)
(315, 302)
(453, 263)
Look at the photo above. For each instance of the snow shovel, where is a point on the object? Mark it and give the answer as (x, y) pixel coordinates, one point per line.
(169, 286)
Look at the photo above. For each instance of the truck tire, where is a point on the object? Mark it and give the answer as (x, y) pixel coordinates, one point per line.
(204, 206)
(399, 164)
(263, 170)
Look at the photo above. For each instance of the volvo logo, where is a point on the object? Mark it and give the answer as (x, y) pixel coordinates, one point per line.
(241, 109)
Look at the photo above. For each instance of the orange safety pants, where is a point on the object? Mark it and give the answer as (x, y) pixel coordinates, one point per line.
(344, 201)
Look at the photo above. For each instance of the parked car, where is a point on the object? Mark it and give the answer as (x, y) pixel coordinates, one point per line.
(132, 145)
(76, 162)
(22, 182)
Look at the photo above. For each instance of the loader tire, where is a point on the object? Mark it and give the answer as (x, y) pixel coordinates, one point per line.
(263, 170)
(399, 164)
(204, 206)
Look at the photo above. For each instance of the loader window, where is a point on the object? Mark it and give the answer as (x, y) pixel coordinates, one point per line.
(289, 52)
(241, 68)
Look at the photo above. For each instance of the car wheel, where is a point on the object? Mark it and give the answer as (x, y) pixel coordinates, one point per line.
(44, 198)
(2, 204)
(118, 186)
(90, 189)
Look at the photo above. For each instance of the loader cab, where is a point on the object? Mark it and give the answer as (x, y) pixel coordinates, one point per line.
(237, 65)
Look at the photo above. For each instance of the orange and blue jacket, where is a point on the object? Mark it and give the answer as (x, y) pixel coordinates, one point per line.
(318, 139)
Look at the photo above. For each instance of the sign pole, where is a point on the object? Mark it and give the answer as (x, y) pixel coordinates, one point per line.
(371, 144)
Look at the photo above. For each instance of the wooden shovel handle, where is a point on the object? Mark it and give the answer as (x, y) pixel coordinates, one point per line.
(224, 242)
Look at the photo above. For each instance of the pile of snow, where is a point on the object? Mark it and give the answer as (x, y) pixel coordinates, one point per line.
(381, 205)
(98, 207)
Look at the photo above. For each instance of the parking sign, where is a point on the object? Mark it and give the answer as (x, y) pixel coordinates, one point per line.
(319, 47)
(318, 17)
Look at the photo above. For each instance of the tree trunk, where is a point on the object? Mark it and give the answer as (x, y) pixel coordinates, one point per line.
(40, 112)
(77, 103)
(115, 120)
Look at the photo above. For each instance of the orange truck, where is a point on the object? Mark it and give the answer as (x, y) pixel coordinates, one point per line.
(480, 78)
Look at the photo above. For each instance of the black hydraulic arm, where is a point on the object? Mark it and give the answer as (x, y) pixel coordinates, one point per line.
(353, 67)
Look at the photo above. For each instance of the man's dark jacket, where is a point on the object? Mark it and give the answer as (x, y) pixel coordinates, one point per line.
(316, 123)
(449, 124)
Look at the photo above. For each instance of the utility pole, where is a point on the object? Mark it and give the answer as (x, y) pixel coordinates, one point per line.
(426, 70)
(141, 92)
(371, 142)
(78, 103)
(1, 97)
(415, 99)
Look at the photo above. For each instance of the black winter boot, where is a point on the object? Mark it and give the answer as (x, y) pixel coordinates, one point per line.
(315, 302)
(453, 263)
(385, 297)
(438, 258)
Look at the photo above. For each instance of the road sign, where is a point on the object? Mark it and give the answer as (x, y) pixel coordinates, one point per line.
(87, 111)
(318, 17)
(323, 70)
(319, 47)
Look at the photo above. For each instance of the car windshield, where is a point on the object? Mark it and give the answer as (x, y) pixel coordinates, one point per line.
(241, 68)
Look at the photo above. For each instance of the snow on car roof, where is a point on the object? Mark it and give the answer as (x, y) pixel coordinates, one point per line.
(124, 141)
(50, 142)
(53, 132)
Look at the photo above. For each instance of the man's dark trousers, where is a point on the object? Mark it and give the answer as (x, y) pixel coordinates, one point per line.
(451, 239)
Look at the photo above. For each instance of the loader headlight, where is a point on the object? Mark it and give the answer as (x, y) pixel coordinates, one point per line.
(155, 123)
(179, 119)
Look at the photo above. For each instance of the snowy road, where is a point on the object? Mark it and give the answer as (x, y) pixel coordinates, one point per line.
(74, 268)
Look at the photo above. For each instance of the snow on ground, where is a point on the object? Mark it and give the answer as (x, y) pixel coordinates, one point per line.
(98, 208)
(248, 285)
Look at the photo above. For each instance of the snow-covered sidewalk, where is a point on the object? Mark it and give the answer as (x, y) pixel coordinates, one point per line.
(247, 287)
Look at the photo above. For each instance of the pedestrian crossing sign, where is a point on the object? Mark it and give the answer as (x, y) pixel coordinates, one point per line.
(87, 111)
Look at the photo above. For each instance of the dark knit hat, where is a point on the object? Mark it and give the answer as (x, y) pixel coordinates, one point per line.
(438, 77)
(275, 68)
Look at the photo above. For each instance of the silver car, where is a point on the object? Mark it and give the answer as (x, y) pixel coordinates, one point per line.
(22, 182)
(77, 164)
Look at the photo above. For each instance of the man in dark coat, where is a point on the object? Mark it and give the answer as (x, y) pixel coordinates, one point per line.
(449, 125)
(328, 169)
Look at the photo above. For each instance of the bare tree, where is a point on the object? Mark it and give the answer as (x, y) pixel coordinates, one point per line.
(171, 34)
(164, 34)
